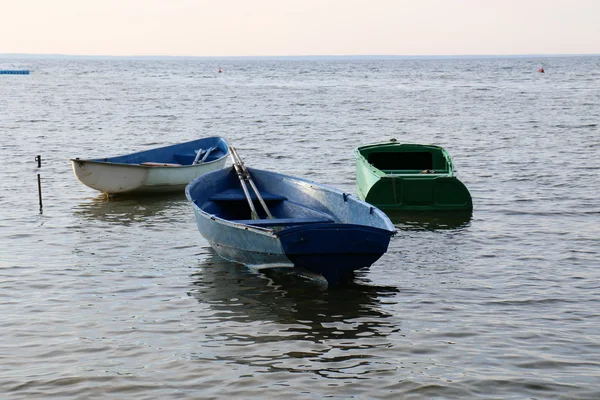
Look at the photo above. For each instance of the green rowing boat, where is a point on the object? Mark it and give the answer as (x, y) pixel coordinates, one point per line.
(409, 177)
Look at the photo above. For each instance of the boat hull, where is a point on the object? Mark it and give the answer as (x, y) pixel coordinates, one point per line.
(426, 182)
(327, 232)
(161, 170)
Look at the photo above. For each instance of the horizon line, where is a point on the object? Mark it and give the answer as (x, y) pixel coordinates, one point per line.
(351, 56)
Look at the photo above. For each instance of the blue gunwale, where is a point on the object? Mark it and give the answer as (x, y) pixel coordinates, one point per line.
(179, 153)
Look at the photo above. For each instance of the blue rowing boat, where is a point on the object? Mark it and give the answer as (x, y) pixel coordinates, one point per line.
(287, 221)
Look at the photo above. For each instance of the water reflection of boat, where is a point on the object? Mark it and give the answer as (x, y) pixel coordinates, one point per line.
(128, 210)
(430, 220)
(238, 293)
(258, 324)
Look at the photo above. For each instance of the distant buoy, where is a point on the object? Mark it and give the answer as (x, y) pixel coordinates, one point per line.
(14, 71)
(541, 70)
(220, 70)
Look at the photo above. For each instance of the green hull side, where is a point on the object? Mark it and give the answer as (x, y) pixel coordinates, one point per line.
(400, 193)
(366, 178)
(410, 192)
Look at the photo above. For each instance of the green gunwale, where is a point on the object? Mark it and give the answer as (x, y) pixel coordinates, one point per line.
(414, 177)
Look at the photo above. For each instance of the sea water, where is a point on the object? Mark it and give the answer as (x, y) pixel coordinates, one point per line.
(124, 298)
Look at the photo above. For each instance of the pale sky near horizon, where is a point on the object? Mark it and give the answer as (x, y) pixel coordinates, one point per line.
(300, 27)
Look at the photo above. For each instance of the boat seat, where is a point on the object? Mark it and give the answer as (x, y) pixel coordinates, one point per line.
(157, 164)
(265, 223)
(184, 159)
(238, 195)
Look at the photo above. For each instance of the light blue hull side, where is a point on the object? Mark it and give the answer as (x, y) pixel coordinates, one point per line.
(241, 244)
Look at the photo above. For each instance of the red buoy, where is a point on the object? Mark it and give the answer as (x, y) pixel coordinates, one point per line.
(541, 70)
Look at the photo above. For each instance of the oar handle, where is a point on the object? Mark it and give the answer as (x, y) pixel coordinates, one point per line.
(246, 175)
(240, 175)
(198, 155)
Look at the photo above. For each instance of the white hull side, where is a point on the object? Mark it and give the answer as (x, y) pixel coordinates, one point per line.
(124, 178)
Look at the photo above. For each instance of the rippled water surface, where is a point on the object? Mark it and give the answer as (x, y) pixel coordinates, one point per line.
(124, 298)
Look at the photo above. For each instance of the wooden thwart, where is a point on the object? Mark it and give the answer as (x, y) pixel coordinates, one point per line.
(238, 195)
(265, 223)
(157, 164)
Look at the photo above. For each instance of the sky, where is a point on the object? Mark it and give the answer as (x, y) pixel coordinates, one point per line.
(299, 27)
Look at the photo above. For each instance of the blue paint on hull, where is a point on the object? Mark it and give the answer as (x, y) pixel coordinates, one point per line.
(334, 250)
(180, 153)
(240, 243)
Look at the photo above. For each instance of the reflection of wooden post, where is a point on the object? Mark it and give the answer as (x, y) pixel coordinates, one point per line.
(40, 191)
(38, 158)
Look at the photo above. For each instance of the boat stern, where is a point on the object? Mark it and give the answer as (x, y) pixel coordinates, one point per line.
(109, 178)
(334, 250)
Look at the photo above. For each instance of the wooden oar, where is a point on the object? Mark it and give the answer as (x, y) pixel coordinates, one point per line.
(205, 156)
(246, 175)
(240, 175)
(198, 155)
